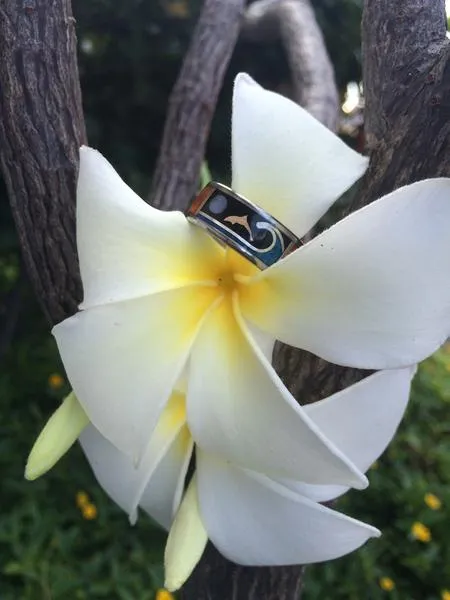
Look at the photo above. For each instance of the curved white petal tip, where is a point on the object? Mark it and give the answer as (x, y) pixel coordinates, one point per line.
(245, 79)
(254, 521)
(286, 161)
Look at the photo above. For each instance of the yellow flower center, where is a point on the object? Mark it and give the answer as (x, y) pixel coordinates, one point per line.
(224, 282)
(227, 281)
(232, 274)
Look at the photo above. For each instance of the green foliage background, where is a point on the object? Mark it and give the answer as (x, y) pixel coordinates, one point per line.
(130, 53)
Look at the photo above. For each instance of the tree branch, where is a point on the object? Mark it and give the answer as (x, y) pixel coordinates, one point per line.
(192, 104)
(407, 94)
(312, 72)
(403, 44)
(41, 130)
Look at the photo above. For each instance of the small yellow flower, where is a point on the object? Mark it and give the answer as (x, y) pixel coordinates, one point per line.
(55, 381)
(163, 594)
(445, 595)
(386, 584)
(81, 499)
(432, 502)
(421, 532)
(89, 511)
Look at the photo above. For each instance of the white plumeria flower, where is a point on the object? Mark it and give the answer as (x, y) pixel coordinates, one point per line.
(252, 518)
(371, 292)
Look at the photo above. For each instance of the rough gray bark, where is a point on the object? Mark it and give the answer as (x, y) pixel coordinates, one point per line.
(311, 69)
(41, 129)
(217, 579)
(192, 103)
(407, 88)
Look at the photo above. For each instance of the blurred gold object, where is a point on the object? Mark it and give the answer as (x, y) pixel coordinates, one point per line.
(432, 501)
(89, 512)
(55, 381)
(163, 594)
(177, 8)
(421, 532)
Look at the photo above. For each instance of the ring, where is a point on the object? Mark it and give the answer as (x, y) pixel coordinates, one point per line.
(236, 222)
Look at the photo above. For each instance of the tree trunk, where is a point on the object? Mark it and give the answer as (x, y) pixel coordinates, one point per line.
(407, 87)
(41, 129)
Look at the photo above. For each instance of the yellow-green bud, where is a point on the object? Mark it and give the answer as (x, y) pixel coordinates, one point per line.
(186, 542)
(58, 435)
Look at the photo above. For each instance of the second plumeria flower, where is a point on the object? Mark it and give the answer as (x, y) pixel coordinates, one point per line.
(372, 291)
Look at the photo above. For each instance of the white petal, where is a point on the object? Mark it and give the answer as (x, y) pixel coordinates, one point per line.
(284, 160)
(186, 542)
(238, 408)
(253, 521)
(171, 442)
(114, 471)
(361, 421)
(261, 339)
(168, 481)
(371, 292)
(124, 359)
(127, 248)
(155, 485)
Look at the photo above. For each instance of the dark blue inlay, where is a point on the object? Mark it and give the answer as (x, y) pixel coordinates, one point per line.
(256, 234)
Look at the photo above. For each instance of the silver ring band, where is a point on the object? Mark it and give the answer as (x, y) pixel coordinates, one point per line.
(236, 222)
